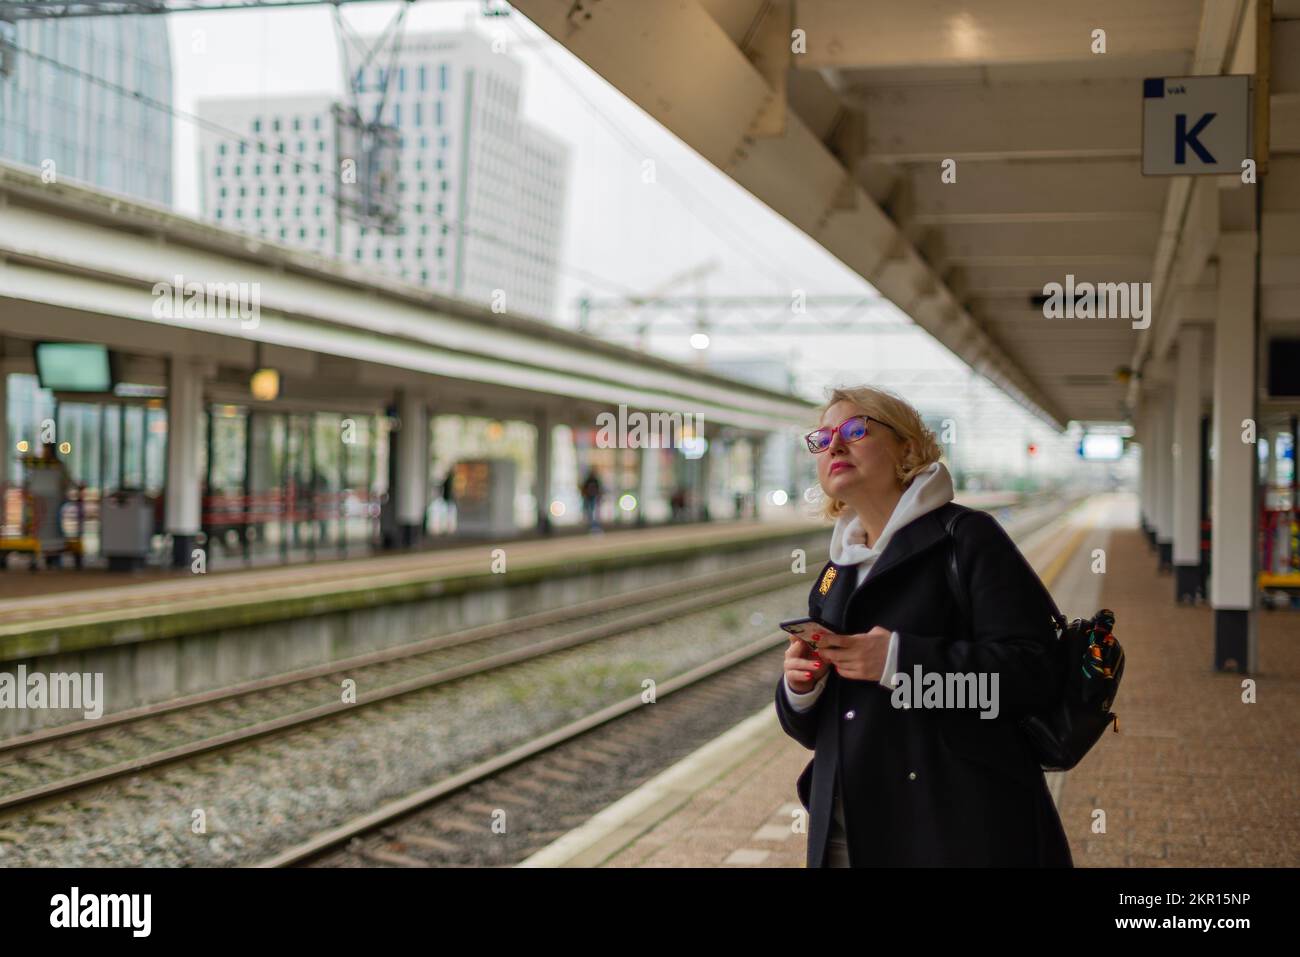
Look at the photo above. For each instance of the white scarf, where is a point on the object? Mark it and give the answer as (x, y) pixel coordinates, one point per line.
(930, 488)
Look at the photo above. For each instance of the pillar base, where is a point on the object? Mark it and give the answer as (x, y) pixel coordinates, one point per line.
(409, 535)
(1187, 583)
(1166, 552)
(1231, 639)
(183, 549)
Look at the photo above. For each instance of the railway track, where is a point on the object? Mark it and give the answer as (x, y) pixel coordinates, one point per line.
(501, 811)
(51, 762)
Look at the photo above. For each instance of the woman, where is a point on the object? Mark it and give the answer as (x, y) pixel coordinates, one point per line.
(897, 779)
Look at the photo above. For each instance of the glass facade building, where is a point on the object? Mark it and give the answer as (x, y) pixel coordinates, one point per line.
(53, 117)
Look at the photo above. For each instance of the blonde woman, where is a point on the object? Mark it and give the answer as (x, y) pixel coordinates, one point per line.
(913, 773)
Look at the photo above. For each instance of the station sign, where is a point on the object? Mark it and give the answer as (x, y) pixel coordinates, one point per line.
(1196, 125)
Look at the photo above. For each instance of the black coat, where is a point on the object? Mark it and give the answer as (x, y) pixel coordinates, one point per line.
(934, 787)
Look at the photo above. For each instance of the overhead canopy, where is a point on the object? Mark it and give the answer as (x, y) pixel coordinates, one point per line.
(841, 115)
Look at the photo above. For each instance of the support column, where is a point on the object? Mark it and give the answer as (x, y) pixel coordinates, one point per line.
(1187, 466)
(1164, 478)
(647, 482)
(758, 447)
(1146, 477)
(702, 471)
(1232, 550)
(6, 450)
(542, 491)
(412, 468)
(181, 498)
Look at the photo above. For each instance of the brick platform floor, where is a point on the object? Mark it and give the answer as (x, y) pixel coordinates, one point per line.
(743, 819)
(1195, 777)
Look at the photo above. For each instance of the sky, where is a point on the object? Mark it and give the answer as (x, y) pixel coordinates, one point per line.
(622, 235)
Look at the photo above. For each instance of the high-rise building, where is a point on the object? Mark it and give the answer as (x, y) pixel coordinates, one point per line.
(115, 134)
(267, 166)
(478, 193)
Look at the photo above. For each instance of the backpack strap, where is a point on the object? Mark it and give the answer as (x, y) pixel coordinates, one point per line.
(954, 574)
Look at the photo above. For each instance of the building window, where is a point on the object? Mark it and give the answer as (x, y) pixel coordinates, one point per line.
(437, 113)
(219, 214)
(297, 124)
(315, 122)
(275, 125)
(442, 77)
(221, 149)
(401, 79)
(257, 125)
(423, 84)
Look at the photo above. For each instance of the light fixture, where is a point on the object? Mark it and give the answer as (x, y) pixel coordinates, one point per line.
(265, 384)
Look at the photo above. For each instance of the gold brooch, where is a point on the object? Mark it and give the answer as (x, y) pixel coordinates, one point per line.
(827, 579)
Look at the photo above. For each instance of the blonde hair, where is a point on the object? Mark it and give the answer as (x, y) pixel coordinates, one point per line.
(920, 448)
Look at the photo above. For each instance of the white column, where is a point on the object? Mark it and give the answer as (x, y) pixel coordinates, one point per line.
(1165, 516)
(1141, 432)
(647, 483)
(412, 467)
(545, 430)
(1164, 491)
(7, 451)
(760, 445)
(1232, 553)
(181, 499)
(1187, 465)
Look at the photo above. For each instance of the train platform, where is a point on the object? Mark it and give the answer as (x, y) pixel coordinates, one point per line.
(83, 617)
(1195, 777)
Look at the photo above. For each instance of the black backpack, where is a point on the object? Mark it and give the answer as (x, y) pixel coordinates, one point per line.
(1092, 662)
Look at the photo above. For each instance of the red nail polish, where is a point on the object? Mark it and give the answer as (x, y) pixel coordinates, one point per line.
(808, 675)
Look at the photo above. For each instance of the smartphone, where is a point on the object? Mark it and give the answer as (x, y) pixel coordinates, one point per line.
(804, 628)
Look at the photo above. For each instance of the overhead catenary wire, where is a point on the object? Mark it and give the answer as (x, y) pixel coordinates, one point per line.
(261, 146)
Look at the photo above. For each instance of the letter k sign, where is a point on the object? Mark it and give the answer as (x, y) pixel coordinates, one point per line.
(1184, 138)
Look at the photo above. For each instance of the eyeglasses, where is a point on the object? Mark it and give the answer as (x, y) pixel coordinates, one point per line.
(850, 430)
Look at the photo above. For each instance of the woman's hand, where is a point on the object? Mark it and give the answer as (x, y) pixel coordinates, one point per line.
(803, 666)
(860, 656)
